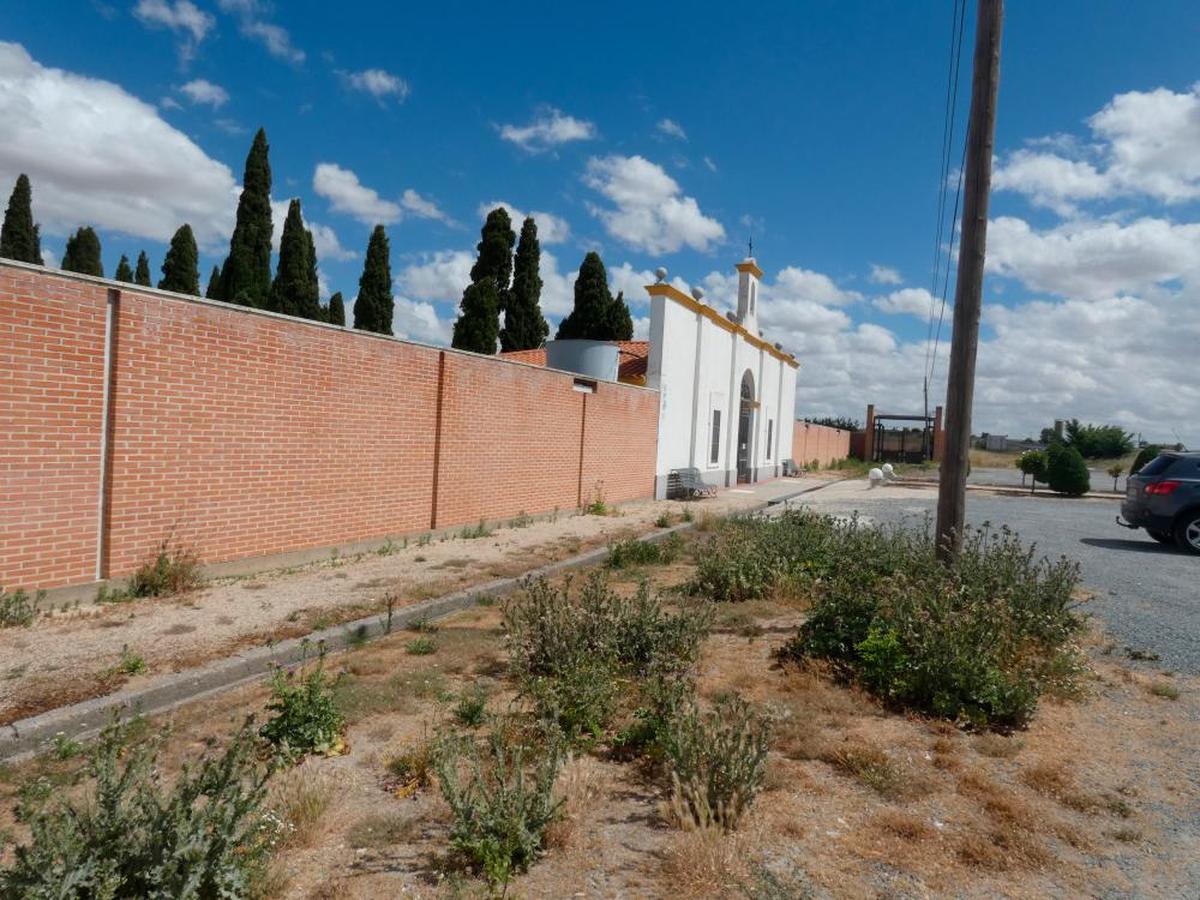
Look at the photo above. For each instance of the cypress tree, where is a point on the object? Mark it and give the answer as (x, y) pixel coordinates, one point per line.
(478, 325)
(214, 284)
(290, 289)
(19, 238)
(142, 275)
(336, 314)
(310, 300)
(525, 327)
(620, 323)
(495, 247)
(591, 317)
(124, 271)
(83, 253)
(373, 308)
(179, 268)
(246, 274)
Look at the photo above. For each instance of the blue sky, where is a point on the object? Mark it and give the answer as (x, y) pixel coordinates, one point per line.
(666, 134)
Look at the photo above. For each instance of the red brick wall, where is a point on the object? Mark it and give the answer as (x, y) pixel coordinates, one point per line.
(51, 374)
(240, 434)
(819, 442)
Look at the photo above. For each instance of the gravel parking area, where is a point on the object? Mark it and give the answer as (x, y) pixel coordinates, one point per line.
(1147, 595)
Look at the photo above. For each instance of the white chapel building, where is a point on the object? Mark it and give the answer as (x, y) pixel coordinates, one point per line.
(727, 395)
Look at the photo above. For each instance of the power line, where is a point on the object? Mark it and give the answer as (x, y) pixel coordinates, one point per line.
(953, 68)
(949, 255)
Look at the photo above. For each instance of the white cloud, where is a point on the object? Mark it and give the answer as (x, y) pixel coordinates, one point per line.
(139, 175)
(1146, 143)
(548, 130)
(379, 84)
(1093, 259)
(709, 164)
(441, 275)
(650, 211)
(908, 302)
(252, 23)
(182, 17)
(201, 91)
(346, 194)
(671, 128)
(552, 229)
(885, 275)
(796, 283)
(419, 321)
(424, 208)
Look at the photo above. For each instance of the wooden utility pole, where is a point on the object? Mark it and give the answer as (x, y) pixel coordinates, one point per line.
(960, 388)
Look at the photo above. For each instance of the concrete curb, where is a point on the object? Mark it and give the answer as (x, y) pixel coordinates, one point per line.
(26, 737)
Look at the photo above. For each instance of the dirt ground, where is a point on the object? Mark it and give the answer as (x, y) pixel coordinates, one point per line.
(1099, 797)
(76, 653)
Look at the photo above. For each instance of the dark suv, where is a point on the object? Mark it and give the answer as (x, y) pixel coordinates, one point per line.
(1164, 498)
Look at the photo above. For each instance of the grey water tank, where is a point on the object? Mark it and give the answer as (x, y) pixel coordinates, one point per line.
(595, 359)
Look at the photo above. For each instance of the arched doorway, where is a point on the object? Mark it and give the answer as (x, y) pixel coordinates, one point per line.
(745, 440)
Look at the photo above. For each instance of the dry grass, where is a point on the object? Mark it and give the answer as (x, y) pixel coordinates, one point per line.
(581, 783)
(874, 767)
(302, 799)
(997, 746)
(903, 825)
(706, 862)
(383, 830)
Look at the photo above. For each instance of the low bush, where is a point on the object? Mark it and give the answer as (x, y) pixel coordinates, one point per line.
(18, 608)
(501, 800)
(576, 704)
(130, 836)
(633, 552)
(1066, 472)
(173, 570)
(978, 640)
(471, 708)
(306, 717)
(717, 761)
(553, 629)
(422, 646)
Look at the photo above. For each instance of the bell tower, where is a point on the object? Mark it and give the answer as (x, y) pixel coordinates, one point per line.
(749, 277)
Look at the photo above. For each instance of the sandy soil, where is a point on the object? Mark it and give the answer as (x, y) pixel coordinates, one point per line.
(1100, 797)
(73, 655)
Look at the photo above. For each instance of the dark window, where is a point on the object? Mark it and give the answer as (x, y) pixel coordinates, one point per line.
(715, 454)
(770, 434)
(1157, 466)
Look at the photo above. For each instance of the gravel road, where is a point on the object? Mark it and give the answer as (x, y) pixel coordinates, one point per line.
(1147, 595)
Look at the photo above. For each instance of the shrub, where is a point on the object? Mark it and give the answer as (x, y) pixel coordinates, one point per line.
(634, 552)
(173, 570)
(501, 805)
(131, 837)
(18, 608)
(1098, 441)
(471, 708)
(306, 718)
(422, 646)
(978, 640)
(552, 630)
(716, 761)
(1066, 472)
(1033, 463)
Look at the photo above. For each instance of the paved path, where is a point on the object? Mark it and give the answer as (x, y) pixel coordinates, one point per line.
(1147, 595)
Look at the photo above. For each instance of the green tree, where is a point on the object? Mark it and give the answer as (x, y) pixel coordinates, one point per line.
(142, 274)
(212, 292)
(1098, 441)
(19, 236)
(82, 253)
(180, 266)
(1147, 453)
(1032, 463)
(294, 291)
(1066, 472)
(478, 325)
(336, 314)
(620, 322)
(373, 308)
(842, 422)
(495, 248)
(1115, 471)
(246, 274)
(124, 270)
(525, 327)
(592, 317)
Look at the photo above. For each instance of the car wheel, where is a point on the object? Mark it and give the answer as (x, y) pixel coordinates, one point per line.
(1163, 537)
(1187, 532)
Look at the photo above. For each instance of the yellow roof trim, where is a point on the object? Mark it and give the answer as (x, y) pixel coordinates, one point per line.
(750, 267)
(666, 290)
